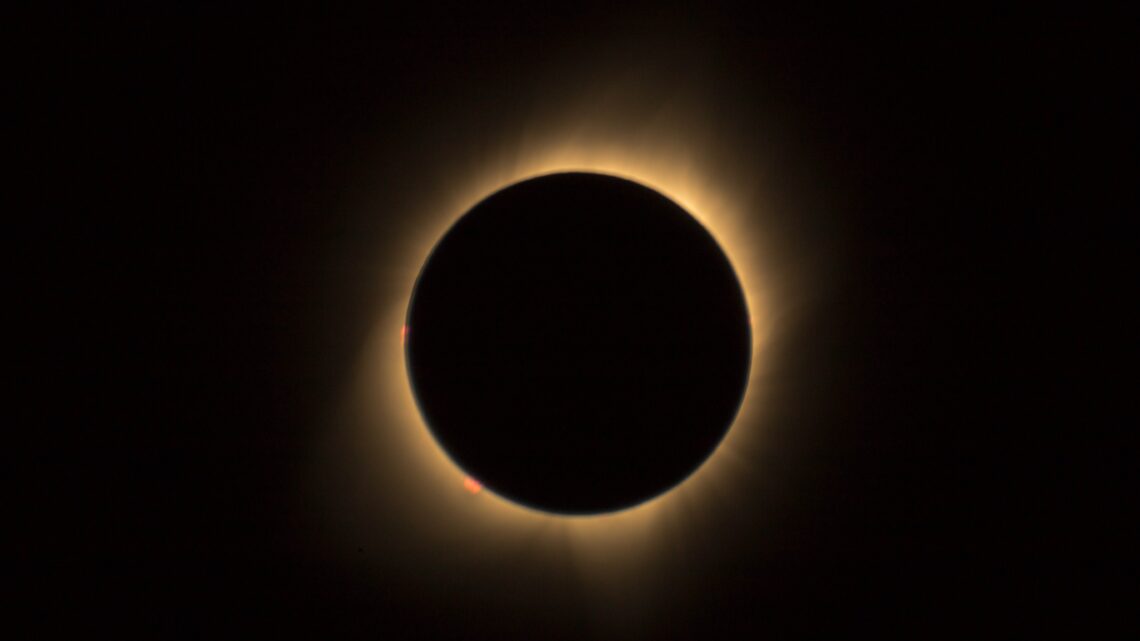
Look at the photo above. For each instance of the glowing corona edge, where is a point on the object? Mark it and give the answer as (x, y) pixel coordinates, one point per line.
(671, 164)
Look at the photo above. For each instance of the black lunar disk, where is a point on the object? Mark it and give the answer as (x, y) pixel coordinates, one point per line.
(578, 343)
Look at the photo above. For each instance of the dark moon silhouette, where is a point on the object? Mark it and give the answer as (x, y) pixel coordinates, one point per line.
(578, 343)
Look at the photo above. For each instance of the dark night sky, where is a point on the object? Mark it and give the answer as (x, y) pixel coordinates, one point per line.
(199, 280)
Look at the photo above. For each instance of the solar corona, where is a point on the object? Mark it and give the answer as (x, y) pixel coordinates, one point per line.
(478, 498)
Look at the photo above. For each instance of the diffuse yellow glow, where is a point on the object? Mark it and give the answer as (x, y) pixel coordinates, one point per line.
(668, 154)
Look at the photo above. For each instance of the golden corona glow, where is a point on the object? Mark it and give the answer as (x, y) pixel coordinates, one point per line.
(677, 152)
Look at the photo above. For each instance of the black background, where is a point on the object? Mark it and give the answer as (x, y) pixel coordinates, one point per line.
(196, 300)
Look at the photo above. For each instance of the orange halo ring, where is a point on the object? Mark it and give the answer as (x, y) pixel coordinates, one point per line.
(438, 505)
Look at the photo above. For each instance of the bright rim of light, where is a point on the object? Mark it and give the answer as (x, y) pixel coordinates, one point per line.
(669, 155)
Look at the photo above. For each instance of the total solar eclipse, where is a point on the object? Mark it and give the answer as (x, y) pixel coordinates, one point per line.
(578, 343)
